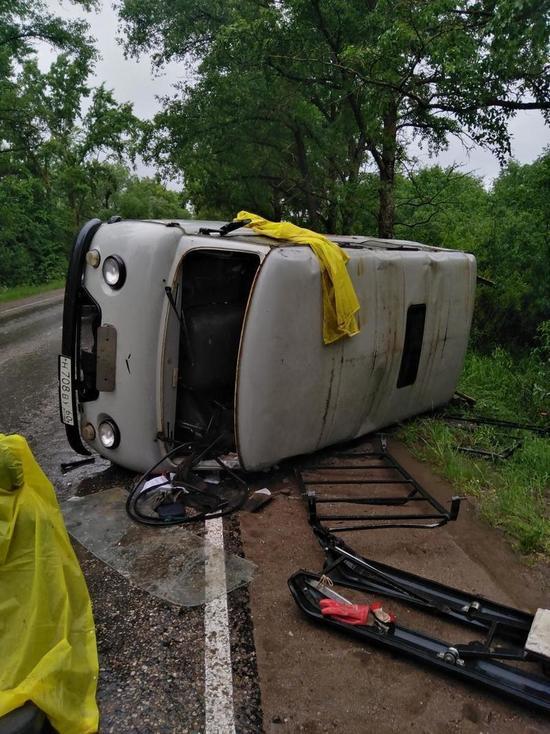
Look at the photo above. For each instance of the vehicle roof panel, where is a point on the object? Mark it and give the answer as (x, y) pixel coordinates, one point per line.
(193, 227)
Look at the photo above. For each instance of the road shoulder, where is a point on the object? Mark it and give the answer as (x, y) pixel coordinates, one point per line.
(314, 680)
(10, 309)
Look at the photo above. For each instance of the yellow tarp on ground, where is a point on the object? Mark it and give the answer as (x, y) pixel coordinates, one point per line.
(340, 302)
(48, 651)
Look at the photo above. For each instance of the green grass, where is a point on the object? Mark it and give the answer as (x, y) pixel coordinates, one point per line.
(512, 494)
(22, 291)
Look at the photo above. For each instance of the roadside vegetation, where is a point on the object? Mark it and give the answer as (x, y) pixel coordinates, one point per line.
(507, 369)
(511, 493)
(23, 291)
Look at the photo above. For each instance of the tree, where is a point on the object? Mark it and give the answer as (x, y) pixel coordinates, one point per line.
(106, 133)
(237, 154)
(337, 85)
(23, 24)
(443, 207)
(32, 232)
(516, 255)
(147, 198)
(53, 156)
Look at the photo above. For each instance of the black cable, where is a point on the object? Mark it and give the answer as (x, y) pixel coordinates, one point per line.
(138, 493)
(480, 420)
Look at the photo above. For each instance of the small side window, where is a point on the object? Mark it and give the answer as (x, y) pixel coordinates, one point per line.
(412, 348)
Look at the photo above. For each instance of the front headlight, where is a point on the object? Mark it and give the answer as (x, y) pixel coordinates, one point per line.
(114, 271)
(108, 433)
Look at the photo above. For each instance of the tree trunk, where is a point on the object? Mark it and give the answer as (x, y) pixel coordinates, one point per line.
(348, 208)
(303, 167)
(386, 206)
(276, 204)
(386, 167)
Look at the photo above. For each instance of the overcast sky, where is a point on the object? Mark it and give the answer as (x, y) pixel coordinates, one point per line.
(134, 81)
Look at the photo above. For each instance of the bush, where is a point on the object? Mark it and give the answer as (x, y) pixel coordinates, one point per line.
(511, 494)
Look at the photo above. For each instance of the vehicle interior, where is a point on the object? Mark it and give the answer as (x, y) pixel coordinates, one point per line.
(214, 290)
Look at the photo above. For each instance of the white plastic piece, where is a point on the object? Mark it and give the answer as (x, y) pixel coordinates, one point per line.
(538, 639)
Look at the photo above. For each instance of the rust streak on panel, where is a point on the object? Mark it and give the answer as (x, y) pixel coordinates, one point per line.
(327, 404)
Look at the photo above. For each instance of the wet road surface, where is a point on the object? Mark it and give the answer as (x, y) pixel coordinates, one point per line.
(151, 654)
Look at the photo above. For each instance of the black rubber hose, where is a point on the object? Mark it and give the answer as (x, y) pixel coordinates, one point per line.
(137, 493)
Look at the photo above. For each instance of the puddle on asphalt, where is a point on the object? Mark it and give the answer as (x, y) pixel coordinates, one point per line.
(167, 562)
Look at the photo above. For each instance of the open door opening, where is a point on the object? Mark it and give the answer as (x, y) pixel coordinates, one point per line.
(214, 290)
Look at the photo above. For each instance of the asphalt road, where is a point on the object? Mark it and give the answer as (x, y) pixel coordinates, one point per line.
(152, 654)
(29, 342)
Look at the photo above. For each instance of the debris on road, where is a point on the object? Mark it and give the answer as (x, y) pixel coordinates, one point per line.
(258, 499)
(229, 461)
(355, 471)
(345, 611)
(184, 496)
(67, 466)
(481, 661)
(538, 641)
(500, 434)
(481, 420)
(462, 398)
(170, 565)
(491, 455)
(502, 637)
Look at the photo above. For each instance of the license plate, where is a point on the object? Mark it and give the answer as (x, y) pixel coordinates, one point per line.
(66, 390)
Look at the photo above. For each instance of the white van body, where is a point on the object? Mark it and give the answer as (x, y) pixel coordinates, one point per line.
(241, 326)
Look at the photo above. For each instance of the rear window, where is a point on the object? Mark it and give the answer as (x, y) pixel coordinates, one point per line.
(412, 347)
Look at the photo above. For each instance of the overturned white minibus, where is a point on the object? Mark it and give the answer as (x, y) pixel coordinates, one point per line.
(173, 328)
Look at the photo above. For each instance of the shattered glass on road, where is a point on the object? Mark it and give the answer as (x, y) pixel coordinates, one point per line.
(168, 563)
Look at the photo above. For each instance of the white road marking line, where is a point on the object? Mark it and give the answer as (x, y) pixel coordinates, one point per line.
(218, 683)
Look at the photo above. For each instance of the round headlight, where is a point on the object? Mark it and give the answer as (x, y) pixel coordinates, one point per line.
(114, 271)
(108, 433)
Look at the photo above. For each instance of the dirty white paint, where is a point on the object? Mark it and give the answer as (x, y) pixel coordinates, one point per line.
(295, 395)
(218, 693)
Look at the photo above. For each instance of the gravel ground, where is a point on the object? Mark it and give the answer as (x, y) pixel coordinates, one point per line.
(246, 690)
(150, 657)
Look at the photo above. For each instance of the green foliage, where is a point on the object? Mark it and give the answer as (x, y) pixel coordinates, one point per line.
(295, 99)
(33, 233)
(508, 229)
(148, 199)
(59, 165)
(442, 207)
(23, 291)
(38, 225)
(512, 494)
(516, 255)
(511, 388)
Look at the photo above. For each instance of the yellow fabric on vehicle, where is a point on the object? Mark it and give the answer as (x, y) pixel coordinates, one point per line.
(47, 635)
(340, 302)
